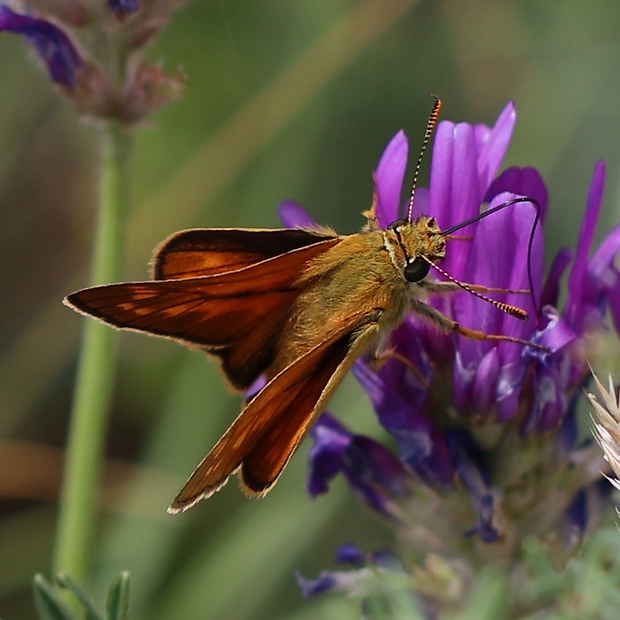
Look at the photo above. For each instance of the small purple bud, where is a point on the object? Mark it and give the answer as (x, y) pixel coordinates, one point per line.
(124, 7)
(325, 582)
(349, 553)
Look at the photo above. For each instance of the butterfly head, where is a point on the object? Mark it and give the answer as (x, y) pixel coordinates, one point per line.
(413, 246)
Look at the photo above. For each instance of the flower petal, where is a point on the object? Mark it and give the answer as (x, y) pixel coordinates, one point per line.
(350, 553)
(373, 472)
(124, 7)
(53, 46)
(578, 299)
(494, 146)
(454, 187)
(499, 258)
(389, 178)
(293, 215)
(472, 469)
(483, 397)
(327, 581)
(331, 439)
(526, 182)
(551, 289)
(420, 442)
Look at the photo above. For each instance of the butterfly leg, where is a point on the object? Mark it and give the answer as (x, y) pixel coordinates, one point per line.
(434, 286)
(451, 326)
(377, 360)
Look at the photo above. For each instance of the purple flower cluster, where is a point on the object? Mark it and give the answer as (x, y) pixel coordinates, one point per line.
(66, 37)
(485, 427)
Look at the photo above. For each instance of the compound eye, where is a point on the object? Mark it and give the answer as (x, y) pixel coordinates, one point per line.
(416, 270)
(396, 224)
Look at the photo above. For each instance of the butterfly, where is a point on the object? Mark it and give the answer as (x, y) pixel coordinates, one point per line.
(295, 307)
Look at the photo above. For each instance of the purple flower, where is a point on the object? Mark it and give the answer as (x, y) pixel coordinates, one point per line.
(375, 474)
(53, 46)
(373, 568)
(63, 36)
(124, 7)
(482, 427)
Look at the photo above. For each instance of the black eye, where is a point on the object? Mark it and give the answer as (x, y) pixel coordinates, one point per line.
(416, 270)
(397, 223)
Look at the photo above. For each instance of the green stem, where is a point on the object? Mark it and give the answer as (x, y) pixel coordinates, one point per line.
(96, 368)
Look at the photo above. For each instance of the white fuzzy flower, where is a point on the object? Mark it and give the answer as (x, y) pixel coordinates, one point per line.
(607, 425)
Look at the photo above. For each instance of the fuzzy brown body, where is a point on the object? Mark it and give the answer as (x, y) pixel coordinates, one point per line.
(335, 285)
(364, 270)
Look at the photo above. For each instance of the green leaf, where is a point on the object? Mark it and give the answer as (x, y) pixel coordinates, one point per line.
(66, 582)
(48, 603)
(117, 600)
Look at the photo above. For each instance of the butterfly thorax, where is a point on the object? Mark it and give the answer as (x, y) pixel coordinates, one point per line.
(362, 274)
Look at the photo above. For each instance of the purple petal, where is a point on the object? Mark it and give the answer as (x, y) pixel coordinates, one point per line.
(389, 178)
(331, 439)
(604, 275)
(485, 529)
(52, 45)
(557, 333)
(551, 289)
(124, 7)
(256, 387)
(605, 256)
(526, 182)
(496, 144)
(454, 187)
(499, 258)
(471, 467)
(350, 553)
(373, 472)
(370, 463)
(577, 512)
(483, 397)
(549, 401)
(568, 434)
(469, 461)
(360, 582)
(293, 215)
(420, 442)
(613, 298)
(465, 159)
(326, 581)
(577, 281)
(398, 376)
(421, 201)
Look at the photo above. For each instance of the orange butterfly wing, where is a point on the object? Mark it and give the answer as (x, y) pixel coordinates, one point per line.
(265, 435)
(234, 315)
(211, 251)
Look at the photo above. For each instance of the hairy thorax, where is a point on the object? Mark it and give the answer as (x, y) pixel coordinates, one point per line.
(353, 282)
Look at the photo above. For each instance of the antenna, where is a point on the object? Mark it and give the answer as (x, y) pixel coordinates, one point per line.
(430, 126)
(518, 313)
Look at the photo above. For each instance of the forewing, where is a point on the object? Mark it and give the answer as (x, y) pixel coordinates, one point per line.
(210, 251)
(236, 315)
(263, 438)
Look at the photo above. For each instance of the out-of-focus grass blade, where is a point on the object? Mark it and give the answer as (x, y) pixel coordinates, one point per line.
(117, 601)
(66, 582)
(48, 603)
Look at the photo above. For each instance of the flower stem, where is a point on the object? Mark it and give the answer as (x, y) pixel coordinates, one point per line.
(96, 367)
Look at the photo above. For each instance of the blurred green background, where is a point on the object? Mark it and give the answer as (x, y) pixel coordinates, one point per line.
(284, 100)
